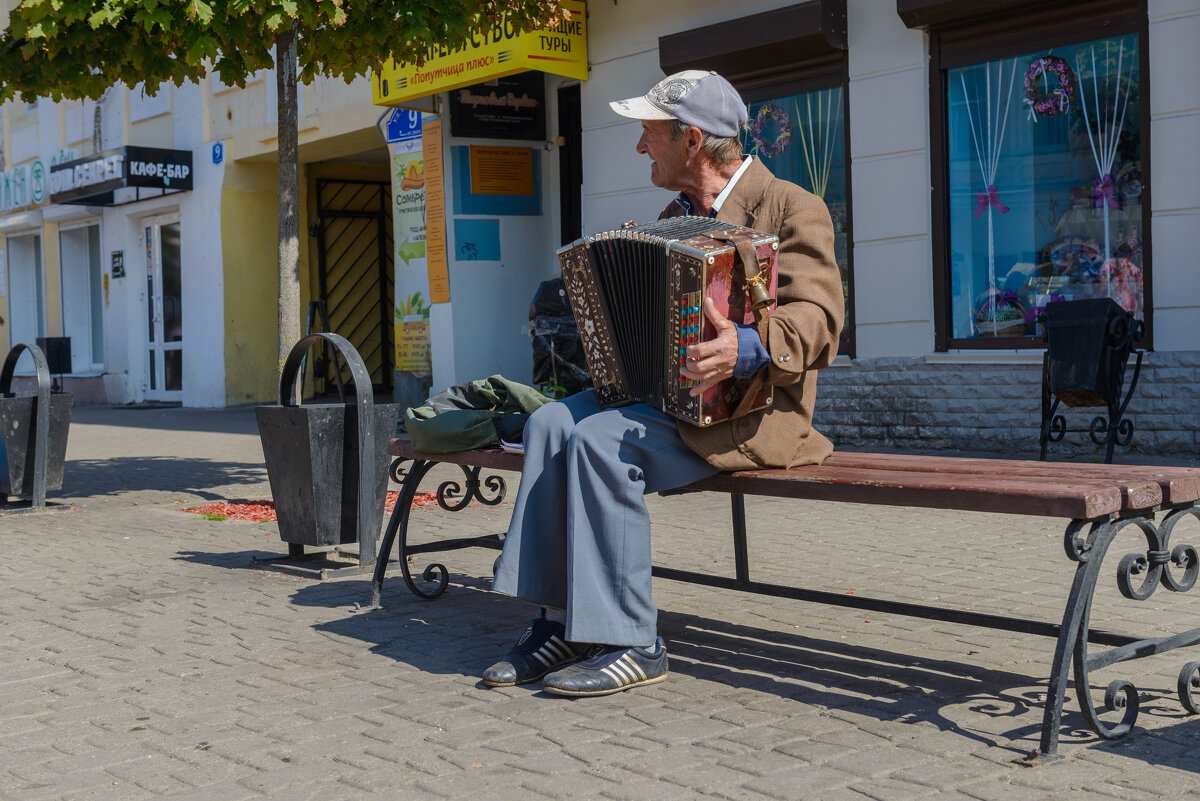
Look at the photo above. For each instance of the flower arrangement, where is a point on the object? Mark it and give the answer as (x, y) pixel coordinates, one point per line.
(1000, 314)
(1059, 99)
(769, 112)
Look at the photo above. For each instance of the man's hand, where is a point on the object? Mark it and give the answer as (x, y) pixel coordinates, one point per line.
(714, 360)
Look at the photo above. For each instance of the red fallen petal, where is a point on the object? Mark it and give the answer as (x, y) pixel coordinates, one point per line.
(264, 511)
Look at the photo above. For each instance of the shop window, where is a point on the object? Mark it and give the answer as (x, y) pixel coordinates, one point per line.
(26, 293)
(801, 138)
(1040, 166)
(82, 295)
(1045, 170)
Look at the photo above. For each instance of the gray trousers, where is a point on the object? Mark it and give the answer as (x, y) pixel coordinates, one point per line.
(580, 532)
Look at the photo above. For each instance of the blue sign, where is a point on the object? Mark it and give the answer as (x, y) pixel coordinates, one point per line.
(218, 152)
(403, 125)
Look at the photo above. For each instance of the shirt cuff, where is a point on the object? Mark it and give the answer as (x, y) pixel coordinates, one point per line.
(752, 356)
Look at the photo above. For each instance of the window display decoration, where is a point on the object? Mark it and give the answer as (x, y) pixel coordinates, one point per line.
(998, 313)
(1103, 135)
(1104, 191)
(821, 139)
(769, 112)
(1075, 256)
(988, 138)
(1053, 103)
(1129, 182)
(1124, 281)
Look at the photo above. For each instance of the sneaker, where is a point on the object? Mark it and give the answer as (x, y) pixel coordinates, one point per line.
(540, 650)
(608, 669)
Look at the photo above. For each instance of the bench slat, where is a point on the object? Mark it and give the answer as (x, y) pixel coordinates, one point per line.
(1052, 489)
(1077, 500)
(492, 458)
(1179, 485)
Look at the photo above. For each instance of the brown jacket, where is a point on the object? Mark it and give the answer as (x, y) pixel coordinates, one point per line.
(802, 335)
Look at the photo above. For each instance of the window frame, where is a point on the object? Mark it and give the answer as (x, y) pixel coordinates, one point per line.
(974, 44)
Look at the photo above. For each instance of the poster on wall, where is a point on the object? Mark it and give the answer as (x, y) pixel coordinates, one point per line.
(435, 212)
(412, 298)
(513, 107)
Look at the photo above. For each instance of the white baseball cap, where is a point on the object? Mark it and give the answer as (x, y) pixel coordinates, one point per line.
(694, 97)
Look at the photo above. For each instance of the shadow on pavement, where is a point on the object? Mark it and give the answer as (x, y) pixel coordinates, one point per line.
(1174, 746)
(230, 420)
(463, 632)
(235, 560)
(89, 478)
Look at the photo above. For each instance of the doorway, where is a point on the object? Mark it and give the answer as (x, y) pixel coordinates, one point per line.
(81, 282)
(26, 295)
(355, 272)
(570, 161)
(164, 293)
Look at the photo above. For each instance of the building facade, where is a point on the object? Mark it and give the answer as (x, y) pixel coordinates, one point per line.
(143, 228)
(980, 161)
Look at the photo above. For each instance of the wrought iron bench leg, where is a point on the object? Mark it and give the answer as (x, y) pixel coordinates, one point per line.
(452, 497)
(1138, 576)
(398, 522)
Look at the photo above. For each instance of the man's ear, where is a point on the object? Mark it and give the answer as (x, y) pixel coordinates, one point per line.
(695, 139)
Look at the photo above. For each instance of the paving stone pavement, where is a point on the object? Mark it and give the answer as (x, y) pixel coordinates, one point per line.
(142, 657)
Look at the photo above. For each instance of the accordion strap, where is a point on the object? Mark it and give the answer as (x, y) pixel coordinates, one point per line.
(756, 287)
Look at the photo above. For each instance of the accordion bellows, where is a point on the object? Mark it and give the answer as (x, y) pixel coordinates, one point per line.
(637, 294)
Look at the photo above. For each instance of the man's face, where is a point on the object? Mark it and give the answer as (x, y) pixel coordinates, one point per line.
(668, 157)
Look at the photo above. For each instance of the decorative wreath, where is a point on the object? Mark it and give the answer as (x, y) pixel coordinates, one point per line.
(1060, 98)
(774, 148)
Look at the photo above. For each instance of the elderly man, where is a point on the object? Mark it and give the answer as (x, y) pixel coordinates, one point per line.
(579, 541)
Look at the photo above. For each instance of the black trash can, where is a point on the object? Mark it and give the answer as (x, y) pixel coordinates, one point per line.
(34, 428)
(327, 462)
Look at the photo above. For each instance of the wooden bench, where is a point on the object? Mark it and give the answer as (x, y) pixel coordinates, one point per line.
(1097, 501)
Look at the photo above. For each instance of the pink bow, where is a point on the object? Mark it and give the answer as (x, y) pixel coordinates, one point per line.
(1102, 190)
(989, 199)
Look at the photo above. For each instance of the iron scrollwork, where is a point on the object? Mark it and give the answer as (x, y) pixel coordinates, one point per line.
(1138, 575)
(450, 490)
(452, 496)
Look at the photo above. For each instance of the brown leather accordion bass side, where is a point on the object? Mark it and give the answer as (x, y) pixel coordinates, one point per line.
(637, 294)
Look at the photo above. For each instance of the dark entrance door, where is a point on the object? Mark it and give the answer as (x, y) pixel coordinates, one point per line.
(355, 273)
(570, 163)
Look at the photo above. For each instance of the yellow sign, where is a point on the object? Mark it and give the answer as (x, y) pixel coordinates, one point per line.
(501, 170)
(435, 214)
(412, 345)
(492, 52)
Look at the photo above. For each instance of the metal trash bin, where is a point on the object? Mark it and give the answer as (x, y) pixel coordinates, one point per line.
(327, 462)
(34, 428)
(1088, 343)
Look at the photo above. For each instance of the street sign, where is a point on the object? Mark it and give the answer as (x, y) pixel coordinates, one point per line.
(403, 125)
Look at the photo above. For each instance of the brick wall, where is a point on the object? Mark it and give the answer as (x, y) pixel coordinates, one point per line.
(910, 404)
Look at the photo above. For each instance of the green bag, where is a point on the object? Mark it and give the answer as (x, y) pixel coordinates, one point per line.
(463, 417)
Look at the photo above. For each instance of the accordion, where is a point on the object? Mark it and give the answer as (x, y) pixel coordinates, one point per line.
(638, 293)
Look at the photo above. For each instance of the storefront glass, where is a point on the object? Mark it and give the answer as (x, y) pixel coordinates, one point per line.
(1044, 165)
(82, 289)
(26, 293)
(801, 138)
